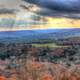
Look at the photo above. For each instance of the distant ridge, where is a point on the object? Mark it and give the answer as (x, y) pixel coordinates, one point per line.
(27, 35)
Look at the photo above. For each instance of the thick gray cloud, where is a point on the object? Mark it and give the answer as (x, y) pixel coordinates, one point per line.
(60, 5)
(63, 8)
(6, 10)
(66, 8)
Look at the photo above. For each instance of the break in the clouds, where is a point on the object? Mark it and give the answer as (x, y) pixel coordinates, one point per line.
(65, 8)
(9, 6)
(10, 3)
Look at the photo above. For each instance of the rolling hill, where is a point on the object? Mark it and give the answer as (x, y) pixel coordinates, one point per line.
(33, 35)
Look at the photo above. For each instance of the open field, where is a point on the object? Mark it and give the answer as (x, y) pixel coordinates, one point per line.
(50, 45)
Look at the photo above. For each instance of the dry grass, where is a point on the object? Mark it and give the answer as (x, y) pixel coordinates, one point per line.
(46, 71)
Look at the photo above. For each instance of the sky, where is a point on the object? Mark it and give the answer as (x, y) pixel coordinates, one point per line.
(60, 7)
(39, 14)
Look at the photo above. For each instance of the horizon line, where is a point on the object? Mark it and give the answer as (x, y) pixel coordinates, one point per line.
(37, 29)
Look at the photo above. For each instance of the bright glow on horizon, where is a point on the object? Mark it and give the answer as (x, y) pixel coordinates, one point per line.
(43, 23)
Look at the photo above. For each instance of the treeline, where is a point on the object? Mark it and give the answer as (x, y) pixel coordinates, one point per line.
(41, 54)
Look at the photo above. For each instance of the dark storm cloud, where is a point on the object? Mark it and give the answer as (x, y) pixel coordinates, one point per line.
(63, 8)
(54, 13)
(60, 5)
(7, 11)
(66, 8)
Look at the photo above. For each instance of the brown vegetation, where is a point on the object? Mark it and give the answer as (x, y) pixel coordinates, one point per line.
(26, 62)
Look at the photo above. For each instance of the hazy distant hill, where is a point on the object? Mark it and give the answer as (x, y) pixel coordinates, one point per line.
(32, 35)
